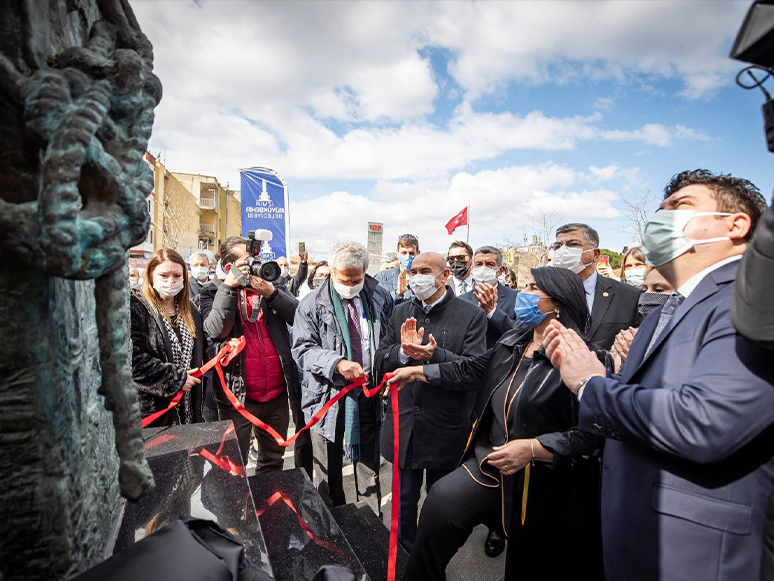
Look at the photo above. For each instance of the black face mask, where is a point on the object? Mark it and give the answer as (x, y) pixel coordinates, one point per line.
(460, 269)
(649, 301)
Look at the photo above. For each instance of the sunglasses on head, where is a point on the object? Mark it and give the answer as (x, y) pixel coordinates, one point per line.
(407, 237)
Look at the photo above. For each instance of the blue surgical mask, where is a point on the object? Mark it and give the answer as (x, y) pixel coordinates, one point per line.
(405, 261)
(663, 239)
(527, 309)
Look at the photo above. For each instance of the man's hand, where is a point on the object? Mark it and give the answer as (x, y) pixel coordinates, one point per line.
(262, 287)
(404, 375)
(403, 279)
(420, 352)
(238, 269)
(570, 355)
(511, 457)
(349, 369)
(487, 296)
(409, 333)
(304, 257)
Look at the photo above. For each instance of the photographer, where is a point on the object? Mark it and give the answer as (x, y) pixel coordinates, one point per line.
(263, 375)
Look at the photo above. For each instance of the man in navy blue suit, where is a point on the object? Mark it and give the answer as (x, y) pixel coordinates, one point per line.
(497, 300)
(689, 460)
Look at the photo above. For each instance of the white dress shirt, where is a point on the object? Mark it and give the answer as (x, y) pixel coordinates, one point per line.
(458, 284)
(365, 334)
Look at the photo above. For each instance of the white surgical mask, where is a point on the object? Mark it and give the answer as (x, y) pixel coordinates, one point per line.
(663, 239)
(168, 289)
(484, 274)
(348, 292)
(635, 275)
(502, 280)
(132, 280)
(570, 258)
(285, 271)
(423, 285)
(200, 272)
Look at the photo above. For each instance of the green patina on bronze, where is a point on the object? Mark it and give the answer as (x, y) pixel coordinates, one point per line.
(77, 95)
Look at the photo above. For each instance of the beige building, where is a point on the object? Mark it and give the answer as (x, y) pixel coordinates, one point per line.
(189, 212)
(219, 209)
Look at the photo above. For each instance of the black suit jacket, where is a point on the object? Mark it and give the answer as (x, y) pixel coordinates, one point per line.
(615, 308)
(503, 319)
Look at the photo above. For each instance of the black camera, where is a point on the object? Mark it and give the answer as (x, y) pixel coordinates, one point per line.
(269, 271)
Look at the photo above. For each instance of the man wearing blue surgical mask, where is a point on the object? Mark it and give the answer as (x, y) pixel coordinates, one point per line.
(689, 457)
(613, 305)
(395, 280)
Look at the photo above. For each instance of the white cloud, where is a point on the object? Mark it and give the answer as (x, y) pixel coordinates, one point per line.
(501, 204)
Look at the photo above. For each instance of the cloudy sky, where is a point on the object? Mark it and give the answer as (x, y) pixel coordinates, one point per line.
(403, 113)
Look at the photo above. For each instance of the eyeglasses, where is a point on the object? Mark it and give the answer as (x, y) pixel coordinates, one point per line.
(568, 243)
(458, 258)
(407, 237)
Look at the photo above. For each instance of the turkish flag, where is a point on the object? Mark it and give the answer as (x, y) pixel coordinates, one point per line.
(460, 219)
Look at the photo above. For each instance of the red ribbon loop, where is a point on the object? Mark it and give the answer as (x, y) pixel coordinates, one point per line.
(229, 351)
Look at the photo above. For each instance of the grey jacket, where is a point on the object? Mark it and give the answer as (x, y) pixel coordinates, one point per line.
(318, 346)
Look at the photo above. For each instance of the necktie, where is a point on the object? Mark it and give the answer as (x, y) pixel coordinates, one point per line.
(463, 287)
(669, 308)
(355, 338)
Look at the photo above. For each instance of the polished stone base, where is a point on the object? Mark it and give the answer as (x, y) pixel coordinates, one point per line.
(370, 539)
(301, 534)
(198, 472)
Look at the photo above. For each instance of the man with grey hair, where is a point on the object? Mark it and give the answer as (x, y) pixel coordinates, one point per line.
(200, 274)
(612, 304)
(335, 334)
(491, 294)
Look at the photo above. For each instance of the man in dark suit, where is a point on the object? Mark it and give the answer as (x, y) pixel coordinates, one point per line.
(613, 304)
(497, 300)
(689, 460)
(434, 421)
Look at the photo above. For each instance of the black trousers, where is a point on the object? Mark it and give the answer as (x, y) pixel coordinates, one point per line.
(274, 412)
(454, 506)
(329, 460)
(302, 447)
(410, 491)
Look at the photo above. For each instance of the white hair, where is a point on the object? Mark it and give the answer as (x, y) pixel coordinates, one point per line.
(204, 254)
(349, 255)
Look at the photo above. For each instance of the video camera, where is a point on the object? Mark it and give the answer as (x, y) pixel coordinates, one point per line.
(269, 271)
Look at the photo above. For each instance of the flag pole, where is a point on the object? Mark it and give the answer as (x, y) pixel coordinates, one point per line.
(467, 235)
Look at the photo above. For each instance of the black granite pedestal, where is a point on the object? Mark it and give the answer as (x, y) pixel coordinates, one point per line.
(198, 472)
(301, 534)
(370, 539)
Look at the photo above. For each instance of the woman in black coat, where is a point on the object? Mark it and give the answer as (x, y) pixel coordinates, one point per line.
(527, 470)
(167, 341)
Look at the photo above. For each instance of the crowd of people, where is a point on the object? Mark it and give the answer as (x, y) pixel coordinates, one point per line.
(607, 422)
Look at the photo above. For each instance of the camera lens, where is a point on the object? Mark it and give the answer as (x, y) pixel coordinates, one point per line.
(270, 271)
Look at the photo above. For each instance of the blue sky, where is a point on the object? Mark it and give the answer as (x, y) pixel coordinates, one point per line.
(403, 112)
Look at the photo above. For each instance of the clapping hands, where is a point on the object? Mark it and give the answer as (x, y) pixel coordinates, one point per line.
(411, 341)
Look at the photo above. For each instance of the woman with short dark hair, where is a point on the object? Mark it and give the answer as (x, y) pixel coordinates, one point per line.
(167, 341)
(527, 470)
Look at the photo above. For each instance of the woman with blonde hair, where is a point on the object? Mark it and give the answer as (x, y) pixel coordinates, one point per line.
(167, 341)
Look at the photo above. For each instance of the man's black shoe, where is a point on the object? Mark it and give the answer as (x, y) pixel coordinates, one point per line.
(495, 544)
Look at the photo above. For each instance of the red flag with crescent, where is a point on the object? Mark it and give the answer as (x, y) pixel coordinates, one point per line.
(461, 219)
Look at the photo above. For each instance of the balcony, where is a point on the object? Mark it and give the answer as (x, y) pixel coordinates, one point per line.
(207, 230)
(208, 203)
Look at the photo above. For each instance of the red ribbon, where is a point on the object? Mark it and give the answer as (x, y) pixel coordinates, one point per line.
(224, 357)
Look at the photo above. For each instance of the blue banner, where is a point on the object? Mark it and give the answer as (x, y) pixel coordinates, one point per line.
(264, 205)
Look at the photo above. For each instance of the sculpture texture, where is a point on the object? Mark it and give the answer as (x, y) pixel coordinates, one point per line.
(77, 94)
